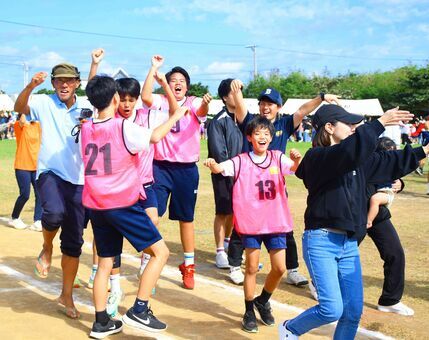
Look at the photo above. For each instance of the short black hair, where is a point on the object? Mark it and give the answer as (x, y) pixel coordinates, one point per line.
(100, 91)
(385, 144)
(224, 88)
(259, 122)
(182, 71)
(128, 86)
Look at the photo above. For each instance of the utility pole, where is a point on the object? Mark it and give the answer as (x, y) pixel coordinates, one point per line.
(255, 71)
(26, 69)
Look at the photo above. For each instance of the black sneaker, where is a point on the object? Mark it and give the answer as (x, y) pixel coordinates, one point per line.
(99, 332)
(265, 312)
(249, 322)
(145, 320)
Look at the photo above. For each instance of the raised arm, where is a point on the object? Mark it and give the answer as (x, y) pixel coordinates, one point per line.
(21, 103)
(162, 81)
(160, 132)
(204, 107)
(306, 108)
(146, 94)
(240, 106)
(97, 56)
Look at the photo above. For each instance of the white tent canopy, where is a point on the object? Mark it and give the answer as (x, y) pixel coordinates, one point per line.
(6, 103)
(367, 107)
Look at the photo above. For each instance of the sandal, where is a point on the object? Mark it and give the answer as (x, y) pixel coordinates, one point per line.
(41, 269)
(70, 312)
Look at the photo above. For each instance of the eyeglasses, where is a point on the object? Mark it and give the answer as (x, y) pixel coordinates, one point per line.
(68, 81)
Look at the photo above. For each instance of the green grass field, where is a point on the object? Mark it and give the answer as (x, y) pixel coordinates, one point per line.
(410, 217)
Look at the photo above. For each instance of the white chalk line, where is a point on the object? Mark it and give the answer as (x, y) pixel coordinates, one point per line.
(172, 272)
(168, 271)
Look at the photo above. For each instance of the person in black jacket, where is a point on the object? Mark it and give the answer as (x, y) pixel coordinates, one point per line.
(225, 141)
(387, 241)
(336, 172)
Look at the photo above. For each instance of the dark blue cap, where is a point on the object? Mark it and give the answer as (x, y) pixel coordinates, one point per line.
(331, 113)
(272, 96)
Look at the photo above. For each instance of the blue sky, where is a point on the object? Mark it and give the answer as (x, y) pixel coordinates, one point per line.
(209, 38)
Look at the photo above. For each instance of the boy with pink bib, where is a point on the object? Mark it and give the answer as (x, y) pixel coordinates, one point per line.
(261, 212)
(112, 189)
(129, 93)
(174, 167)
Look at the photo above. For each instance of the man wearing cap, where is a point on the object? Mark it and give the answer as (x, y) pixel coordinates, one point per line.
(59, 173)
(270, 103)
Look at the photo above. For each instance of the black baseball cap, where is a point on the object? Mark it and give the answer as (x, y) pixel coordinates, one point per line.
(331, 113)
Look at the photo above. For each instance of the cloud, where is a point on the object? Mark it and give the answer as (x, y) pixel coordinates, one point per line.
(46, 60)
(219, 67)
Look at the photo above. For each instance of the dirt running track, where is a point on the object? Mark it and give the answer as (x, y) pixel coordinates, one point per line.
(212, 311)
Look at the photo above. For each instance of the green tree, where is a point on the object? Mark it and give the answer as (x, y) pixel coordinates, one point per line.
(45, 91)
(198, 90)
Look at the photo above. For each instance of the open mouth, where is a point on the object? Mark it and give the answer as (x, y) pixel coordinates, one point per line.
(262, 143)
(178, 89)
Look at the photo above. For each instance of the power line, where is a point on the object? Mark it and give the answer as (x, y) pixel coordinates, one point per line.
(339, 55)
(121, 36)
(208, 43)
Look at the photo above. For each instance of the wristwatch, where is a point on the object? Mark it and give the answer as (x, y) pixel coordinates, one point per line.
(322, 96)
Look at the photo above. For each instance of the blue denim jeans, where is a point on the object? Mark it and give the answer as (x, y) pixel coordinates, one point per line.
(334, 265)
(25, 178)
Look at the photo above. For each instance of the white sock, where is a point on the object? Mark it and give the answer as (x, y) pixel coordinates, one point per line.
(145, 261)
(94, 271)
(189, 258)
(115, 283)
(226, 243)
(220, 249)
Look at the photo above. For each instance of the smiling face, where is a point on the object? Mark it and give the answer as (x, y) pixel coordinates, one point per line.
(268, 109)
(178, 85)
(65, 89)
(260, 139)
(126, 105)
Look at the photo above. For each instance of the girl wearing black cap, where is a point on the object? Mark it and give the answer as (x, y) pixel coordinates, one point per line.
(336, 215)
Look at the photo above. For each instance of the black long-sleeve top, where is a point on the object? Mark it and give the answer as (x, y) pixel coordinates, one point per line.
(224, 138)
(336, 178)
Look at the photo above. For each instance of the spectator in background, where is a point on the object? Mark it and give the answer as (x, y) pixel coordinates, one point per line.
(405, 133)
(28, 138)
(3, 125)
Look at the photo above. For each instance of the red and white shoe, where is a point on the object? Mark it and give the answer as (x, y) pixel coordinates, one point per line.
(188, 275)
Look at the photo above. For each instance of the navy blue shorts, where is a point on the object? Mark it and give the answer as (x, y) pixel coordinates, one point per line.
(62, 207)
(150, 201)
(271, 241)
(111, 226)
(179, 181)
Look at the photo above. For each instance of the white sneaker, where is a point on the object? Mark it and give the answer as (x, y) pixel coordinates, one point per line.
(295, 278)
(36, 226)
(222, 260)
(236, 275)
(17, 223)
(313, 291)
(284, 333)
(113, 303)
(399, 308)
